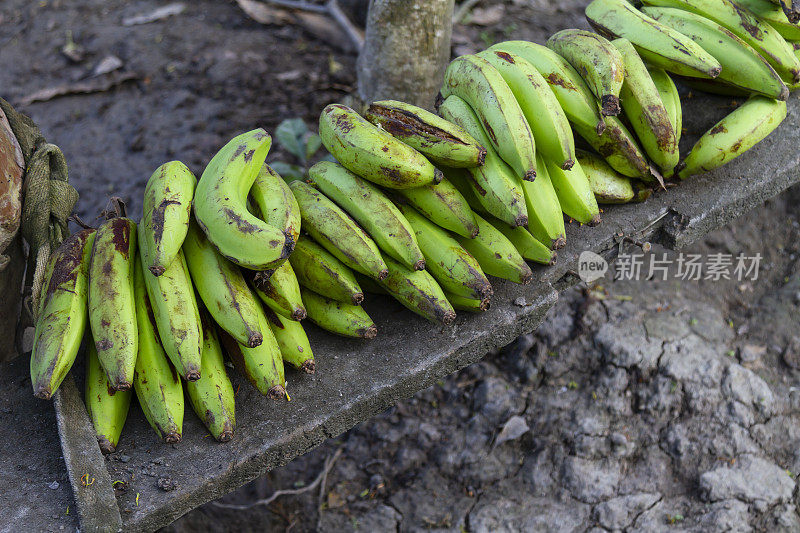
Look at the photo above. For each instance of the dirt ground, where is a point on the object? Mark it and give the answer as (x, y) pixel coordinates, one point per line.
(639, 406)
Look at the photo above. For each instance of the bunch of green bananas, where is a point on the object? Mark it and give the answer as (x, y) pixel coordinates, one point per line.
(162, 297)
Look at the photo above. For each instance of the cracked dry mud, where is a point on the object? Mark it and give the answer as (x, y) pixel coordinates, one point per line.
(652, 406)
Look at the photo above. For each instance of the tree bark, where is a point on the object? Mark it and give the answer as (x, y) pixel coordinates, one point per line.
(406, 50)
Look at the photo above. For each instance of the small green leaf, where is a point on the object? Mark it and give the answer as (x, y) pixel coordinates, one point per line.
(312, 145)
(288, 172)
(291, 134)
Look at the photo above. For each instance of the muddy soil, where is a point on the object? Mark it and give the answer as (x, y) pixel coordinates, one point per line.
(639, 406)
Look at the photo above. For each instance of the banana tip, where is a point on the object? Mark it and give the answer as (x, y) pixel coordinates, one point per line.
(105, 445)
(610, 105)
(553, 259)
(526, 277)
(481, 156)
(308, 366)
(474, 232)
(357, 298)
(485, 304)
(156, 270)
(172, 438)
(530, 175)
(558, 243)
(784, 94)
(382, 274)
(419, 265)
(448, 317)
(438, 175)
(714, 72)
(255, 339)
(192, 375)
(595, 221)
(368, 333)
(226, 435)
(521, 220)
(276, 393)
(43, 393)
(568, 164)
(601, 127)
(122, 386)
(299, 314)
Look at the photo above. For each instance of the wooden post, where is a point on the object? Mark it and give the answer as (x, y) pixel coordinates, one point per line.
(406, 50)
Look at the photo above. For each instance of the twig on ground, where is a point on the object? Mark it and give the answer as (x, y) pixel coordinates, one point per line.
(93, 85)
(320, 480)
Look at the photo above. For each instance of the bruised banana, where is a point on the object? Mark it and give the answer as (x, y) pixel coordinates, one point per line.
(262, 365)
(107, 408)
(745, 127)
(211, 396)
(222, 288)
(574, 193)
(576, 99)
(526, 244)
(112, 313)
(547, 120)
(463, 303)
(441, 141)
(337, 232)
(338, 317)
(496, 255)
(448, 262)
(371, 152)
(61, 319)
(658, 44)
(157, 384)
(742, 66)
(166, 211)
(642, 105)
(478, 83)
(177, 317)
(619, 147)
(597, 61)
(275, 203)
(443, 205)
(220, 205)
(746, 25)
(418, 292)
(495, 184)
(608, 186)
(670, 98)
(292, 340)
(318, 270)
(372, 209)
(545, 218)
(774, 14)
(281, 293)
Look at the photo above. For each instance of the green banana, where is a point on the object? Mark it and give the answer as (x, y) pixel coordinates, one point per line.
(443, 205)
(746, 25)
(62, 317)
(714, 87)
(281, 293)
(597, 61)
(107, 408)
(619, 147)
(608, 186)
(670, 98)
(371, 152)
(642, 105)
(220, 205)
(177, 317)
(574, 193)
(293, 342)
(166, 211)
(745, 127)
(262, 365)
(497, 255)
(495, 184)
(478, 83)
(211, 396)
(545, 220)
(525, 243)
(320, 271)
(547, 120)
(448, 262)
(112, 313)
(275, 203)
(419, 292)
(441, 141)
(371, 209)
(657, 43)
(742, 66)
(471, 305)
(222, 288)
(772, 13)
(331, 227)
(576, 99)
(338, 317)
(157, 384)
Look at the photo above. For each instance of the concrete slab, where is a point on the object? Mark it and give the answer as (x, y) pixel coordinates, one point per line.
(356, 379)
